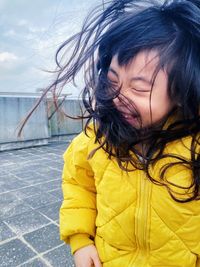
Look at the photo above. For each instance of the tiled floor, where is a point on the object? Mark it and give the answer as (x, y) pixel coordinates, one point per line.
(30, 198)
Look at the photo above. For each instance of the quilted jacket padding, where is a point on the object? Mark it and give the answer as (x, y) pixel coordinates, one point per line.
(132, 221)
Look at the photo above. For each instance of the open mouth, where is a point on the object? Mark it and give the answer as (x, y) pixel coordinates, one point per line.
(131, 118)
(129, 115)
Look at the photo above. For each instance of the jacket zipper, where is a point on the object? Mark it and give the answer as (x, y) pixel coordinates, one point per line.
(142, 220)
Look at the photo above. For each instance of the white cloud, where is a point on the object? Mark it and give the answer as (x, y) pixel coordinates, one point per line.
(8, 57)
(22, 22)
(10, 33)
(36, 29)
(11, 65)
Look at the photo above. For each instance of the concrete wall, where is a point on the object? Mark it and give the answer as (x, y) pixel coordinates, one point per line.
(59, 124)
(38, 129)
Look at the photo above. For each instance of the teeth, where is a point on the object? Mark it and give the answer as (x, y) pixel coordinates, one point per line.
(128, 116)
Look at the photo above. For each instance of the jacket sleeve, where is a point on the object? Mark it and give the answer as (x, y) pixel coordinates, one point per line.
(78, 210)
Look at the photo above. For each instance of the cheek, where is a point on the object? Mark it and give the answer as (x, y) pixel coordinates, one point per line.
(161, 107)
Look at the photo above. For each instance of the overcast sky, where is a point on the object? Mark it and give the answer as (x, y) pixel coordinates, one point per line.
(30, 32)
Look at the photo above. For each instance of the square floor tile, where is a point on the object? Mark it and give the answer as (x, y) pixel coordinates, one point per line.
(27, 192)
(57, 193)
(14, 252)
(40, 200)
(11, 206)
(51, 211)
(44, 238)
(60, 257)
(5, 232)
(26, 222)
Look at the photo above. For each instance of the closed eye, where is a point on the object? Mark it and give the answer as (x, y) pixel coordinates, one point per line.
(141, 90)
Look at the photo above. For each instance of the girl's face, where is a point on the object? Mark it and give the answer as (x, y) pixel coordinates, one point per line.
(137, 94)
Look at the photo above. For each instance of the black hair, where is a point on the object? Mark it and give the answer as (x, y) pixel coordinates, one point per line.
(125, 28)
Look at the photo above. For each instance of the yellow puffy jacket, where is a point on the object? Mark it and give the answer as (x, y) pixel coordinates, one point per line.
(132, 221)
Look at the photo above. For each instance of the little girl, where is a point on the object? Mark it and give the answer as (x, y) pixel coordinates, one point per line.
(131, 180)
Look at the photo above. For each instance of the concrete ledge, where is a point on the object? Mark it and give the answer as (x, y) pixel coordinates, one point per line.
(37, 142)
(23, 144)
(62, 138)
